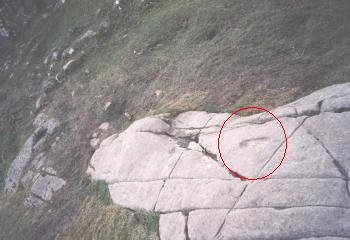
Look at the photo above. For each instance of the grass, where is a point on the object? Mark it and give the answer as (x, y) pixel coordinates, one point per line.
(99, 221)
(99, 189)
(185, 102)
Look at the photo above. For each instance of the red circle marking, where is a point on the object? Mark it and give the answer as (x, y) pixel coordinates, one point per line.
(285, 149)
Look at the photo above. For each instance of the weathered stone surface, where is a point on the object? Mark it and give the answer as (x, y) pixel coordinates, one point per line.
(333, 132)
(44, 187)
(246, 150)
(170, 165)
(136, 195)
(291, 223)
(305, 158)
(139, 156)
(326, 238)
(172, 226)
(322, 94)
(204, 224)
(186, 194)
(338, 104)
(295, 193)
(192, 119)
(150, 124)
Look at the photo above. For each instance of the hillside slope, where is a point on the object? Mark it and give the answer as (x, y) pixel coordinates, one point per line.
(90, 62)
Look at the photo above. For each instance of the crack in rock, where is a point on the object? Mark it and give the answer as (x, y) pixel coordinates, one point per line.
(169, 164)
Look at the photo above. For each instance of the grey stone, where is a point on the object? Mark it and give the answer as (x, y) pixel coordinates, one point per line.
(104, 126)
(332, 130)
(41, 101)
(305, 158)
(50, 170)
(94, 143)
(204, 224)
(149, 124)
(291, 223)
(40, 119)
(325, 238)
(26, 179)
(136, 195)
(71, 65)
(187, 194)
(129, 155)
(246, 149)
(322, 94)
(337, 104)
(32, 201)
(282, 193)
(39, 160)
(45, 186)
(171, 165)
(172, 226)
(18, 164)
(192, 119)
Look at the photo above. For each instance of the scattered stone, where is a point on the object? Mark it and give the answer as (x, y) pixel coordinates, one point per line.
(128, 116)
(44, 187)
(107, 105)
(50, 170)
(104, 126)
(71, 65)
(94, 143)
(32, 201)
(158, 93)
(104, 28)
(55, 56)
(41, 101)
(71, 51)
(40, 120)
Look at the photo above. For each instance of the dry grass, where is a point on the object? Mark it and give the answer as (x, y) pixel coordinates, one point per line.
(99, 221)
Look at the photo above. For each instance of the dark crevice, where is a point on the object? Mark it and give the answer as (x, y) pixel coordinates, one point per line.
(341, 110)
(234, 205)
(280, 145)
(186, 224)
(155, 204)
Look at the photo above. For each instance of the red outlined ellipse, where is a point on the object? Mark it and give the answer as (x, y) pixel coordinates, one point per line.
(285, 137)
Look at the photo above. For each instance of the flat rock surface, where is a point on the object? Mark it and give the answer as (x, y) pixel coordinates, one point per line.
(171, 165)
